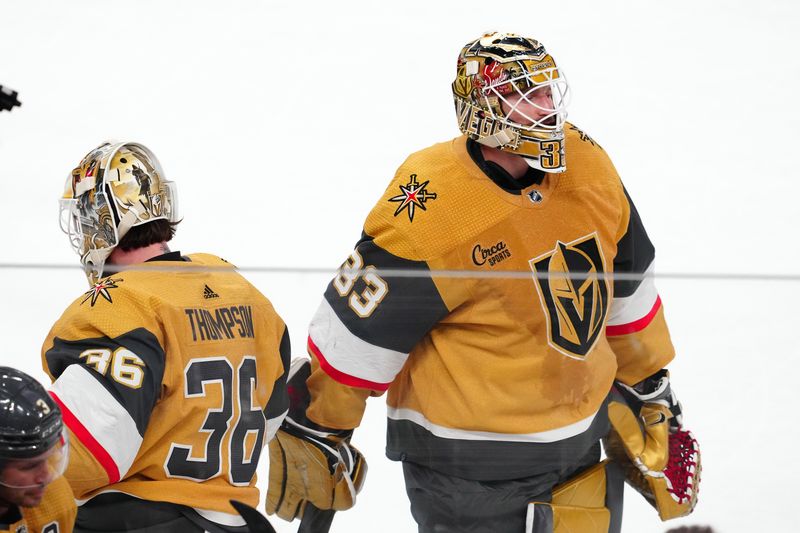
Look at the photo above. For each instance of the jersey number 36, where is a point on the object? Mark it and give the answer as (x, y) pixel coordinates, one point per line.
(199, 373)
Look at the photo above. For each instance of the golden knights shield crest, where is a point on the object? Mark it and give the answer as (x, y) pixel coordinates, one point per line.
(573, 290)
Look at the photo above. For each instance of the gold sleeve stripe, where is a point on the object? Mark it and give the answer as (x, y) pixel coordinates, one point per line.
(636, 325)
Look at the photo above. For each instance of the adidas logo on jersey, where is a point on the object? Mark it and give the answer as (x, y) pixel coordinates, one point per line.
(208, 293)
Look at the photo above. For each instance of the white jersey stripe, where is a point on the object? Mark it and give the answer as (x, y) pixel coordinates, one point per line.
(637, 305)
(350, 355)
(273, 424)
(552, 435)
(105, 419)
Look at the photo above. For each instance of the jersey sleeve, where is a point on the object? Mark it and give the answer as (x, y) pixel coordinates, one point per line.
(107, 366)
(636, 328)
(373, 313)
(278, 403)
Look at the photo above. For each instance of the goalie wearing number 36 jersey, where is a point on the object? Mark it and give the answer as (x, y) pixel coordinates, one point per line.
(170, 373)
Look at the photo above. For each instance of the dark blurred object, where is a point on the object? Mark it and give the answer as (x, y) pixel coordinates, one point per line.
(691, 529)
(256, 522)
(8, 99)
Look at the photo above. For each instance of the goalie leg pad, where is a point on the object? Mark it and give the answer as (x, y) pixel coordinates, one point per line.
(591, 502)
(550, 518)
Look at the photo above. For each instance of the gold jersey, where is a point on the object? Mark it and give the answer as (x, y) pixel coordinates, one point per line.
(55, 514)
(492, 316)
(171, 379)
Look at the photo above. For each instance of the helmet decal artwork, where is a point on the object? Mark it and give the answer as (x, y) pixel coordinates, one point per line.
(115, 187)
(509, 94)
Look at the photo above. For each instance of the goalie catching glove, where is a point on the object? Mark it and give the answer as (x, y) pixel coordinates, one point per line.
(310, 464)
(661, 460)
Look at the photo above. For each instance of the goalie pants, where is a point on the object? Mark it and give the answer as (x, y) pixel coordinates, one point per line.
(441, 503)
(116, 512)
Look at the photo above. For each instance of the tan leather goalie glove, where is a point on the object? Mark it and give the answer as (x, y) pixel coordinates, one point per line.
(661, 460)
(309, 464)
(305, 468)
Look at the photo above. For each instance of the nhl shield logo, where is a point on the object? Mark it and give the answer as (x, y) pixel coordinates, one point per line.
(574, 294)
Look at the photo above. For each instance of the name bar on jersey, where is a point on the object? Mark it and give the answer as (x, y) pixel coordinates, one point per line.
(224, 323)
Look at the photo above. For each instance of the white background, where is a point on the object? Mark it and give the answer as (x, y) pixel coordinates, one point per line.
(282, 123)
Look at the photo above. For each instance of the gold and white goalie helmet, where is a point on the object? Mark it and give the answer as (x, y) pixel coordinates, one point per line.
(509, 94)
(115, 187)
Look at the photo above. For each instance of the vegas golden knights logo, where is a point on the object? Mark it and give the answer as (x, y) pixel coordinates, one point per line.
(574, 293)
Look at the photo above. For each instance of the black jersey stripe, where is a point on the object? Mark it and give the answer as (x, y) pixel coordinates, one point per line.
(138, 402)
(409, 310)
(635, 252)
(278, 402)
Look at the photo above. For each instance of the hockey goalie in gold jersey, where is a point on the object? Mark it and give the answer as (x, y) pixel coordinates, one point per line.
(170, 370)
(34, 496)
(501, 285)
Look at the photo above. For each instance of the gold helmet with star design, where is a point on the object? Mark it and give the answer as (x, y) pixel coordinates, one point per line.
(500, 78)
(115, 187)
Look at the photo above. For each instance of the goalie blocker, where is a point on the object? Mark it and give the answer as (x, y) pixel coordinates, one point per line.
(661, 459)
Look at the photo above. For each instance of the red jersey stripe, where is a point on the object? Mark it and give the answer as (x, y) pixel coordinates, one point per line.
(83, 435)
(341, 377)
(636, 325)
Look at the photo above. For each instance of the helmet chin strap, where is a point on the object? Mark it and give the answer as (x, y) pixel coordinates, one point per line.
(500, 139)
(531, 162)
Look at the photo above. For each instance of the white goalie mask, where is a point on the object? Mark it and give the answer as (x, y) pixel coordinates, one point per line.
(115, 187)
(509, 94)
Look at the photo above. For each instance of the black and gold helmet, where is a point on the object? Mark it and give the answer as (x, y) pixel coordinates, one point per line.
(500, 77)
(31, 427)
(115, 187)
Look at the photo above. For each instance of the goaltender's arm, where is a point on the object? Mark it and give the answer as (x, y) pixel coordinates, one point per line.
(636, 328)
(107, 373)
(369, 321)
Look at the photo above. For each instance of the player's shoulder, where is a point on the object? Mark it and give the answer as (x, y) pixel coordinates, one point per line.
(112, 295)
(587, 161)
(110, 309)
(436, 199)
(132, 298)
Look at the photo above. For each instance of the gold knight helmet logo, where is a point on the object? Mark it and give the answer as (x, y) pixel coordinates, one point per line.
(574, 293)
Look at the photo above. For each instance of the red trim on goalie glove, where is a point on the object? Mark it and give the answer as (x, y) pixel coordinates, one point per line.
(95, 448)
(341, 377)
(682, 466)
(636, 325)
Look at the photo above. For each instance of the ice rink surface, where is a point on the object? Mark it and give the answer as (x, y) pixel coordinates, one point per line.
(282, 123)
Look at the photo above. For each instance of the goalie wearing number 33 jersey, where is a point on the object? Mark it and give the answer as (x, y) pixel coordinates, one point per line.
(502, 284)
(170, 372)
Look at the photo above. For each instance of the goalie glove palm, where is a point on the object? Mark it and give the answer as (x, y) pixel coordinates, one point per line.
(661, 460)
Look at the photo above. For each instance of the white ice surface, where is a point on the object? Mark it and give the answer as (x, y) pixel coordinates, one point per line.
(282, 123)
